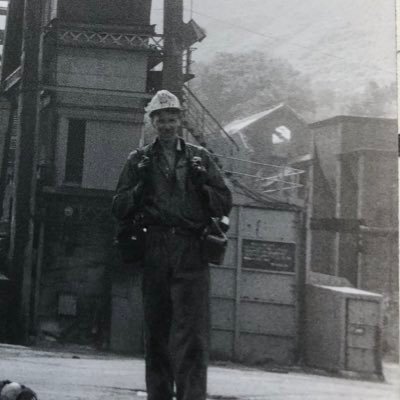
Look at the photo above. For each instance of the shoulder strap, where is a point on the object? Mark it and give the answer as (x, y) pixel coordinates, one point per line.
(191, 151)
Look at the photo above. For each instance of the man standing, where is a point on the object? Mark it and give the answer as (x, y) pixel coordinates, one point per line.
(176, 188)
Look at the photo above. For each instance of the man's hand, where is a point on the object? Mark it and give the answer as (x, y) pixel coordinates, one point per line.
(143, 169)
(198, 172)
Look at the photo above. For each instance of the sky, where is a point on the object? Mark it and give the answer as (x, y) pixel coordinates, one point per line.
(339, 43)
(297, 30)
(346, 35)
(2, 17)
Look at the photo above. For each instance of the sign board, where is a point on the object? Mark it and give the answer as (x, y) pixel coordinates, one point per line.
(271, 256)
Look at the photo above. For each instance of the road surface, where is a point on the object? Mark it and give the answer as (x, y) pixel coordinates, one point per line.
(77, 375)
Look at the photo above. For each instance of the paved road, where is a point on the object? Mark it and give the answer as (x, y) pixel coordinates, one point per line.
(88, 376)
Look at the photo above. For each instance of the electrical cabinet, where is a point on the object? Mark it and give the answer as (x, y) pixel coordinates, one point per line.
(343, 329)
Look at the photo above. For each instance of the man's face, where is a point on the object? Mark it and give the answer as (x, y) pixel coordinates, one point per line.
(167, 123)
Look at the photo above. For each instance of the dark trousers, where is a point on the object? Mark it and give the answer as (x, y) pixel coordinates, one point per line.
(176, 316)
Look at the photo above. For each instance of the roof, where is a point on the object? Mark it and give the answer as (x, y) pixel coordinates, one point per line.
(239, 124)
(348, 118)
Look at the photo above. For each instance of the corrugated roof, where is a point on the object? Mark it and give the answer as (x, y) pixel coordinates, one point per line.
(239, 124)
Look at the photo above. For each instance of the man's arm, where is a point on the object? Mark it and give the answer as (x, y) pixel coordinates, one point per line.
(214, 189)
(129, 189)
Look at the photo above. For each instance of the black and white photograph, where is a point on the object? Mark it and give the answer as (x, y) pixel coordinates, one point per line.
(199, 199)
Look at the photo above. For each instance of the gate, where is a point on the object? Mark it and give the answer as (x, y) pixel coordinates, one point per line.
(255, 294)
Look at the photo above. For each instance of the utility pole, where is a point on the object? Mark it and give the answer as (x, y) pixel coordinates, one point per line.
(172, 75)
(24, 191)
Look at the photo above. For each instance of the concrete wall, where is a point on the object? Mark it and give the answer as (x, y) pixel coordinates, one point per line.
(104, 69)
(370, 192)
(370, 133)
(126, 330)
(380, 274)
(323, 347)
(362, 152)
(349, 186)
(379, 206)
(322, 249)
(328, 139)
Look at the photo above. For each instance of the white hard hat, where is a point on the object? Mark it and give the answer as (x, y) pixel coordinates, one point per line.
(11, 391)
(163, 99)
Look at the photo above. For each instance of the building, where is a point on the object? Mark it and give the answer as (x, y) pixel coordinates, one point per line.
(354, 208)
(347, 169)
(75, 79)
(271, 148)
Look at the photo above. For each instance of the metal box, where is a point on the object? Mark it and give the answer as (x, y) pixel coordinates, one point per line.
(343, 329)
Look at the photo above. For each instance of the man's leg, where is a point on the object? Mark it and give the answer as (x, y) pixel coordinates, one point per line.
(190, 340)
(157, 320)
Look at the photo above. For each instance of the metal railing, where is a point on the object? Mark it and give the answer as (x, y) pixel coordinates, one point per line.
(200, 120)
(85, 37)
(262, 177)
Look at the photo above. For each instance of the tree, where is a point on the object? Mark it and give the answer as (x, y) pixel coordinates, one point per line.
(237, 85)
(375, 101)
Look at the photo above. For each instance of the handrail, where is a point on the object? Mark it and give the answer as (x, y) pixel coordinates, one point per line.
(205, 110)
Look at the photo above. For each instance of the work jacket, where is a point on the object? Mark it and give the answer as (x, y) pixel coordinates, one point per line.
(169, 197)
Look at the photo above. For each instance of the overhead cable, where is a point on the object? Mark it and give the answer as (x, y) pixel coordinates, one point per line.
(272, 37)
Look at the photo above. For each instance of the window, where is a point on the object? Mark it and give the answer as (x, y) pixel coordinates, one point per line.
(75, 151)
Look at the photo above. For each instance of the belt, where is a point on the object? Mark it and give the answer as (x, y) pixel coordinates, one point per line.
(173, 230)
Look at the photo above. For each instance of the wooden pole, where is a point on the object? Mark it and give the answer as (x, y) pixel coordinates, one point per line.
(172, 75)
(23, 210)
